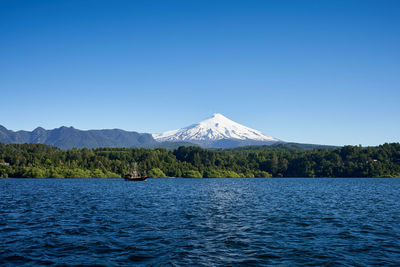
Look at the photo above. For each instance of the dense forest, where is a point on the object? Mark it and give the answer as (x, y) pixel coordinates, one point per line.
(42, 161)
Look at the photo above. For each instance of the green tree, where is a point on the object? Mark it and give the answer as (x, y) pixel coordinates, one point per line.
(193, 174)
(156, 173)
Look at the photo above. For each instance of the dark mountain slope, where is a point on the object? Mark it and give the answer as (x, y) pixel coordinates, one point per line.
(69, 137)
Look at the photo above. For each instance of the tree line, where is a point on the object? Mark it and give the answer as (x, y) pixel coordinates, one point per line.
(43, 161)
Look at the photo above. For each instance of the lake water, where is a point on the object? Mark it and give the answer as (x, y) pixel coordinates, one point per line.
(200, 222)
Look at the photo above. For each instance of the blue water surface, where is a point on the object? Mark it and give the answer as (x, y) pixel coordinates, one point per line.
(200, 222)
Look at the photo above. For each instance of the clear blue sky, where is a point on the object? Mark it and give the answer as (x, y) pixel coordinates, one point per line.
(318, 71)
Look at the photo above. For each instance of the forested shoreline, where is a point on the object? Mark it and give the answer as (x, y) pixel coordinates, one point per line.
(42, 161)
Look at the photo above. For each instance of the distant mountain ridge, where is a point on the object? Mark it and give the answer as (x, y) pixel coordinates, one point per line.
(214, 132)
(69, 137)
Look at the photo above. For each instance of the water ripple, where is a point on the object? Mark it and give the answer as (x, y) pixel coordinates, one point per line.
(187, 222)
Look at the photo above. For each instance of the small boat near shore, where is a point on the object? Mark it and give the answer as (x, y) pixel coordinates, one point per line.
(135, 175)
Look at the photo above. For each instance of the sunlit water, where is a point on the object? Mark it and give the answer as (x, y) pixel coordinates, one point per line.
(200, 222)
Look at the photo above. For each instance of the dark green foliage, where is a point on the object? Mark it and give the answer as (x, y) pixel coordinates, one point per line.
(41, 161)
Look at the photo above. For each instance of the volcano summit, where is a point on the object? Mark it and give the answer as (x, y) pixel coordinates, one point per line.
(217, 131)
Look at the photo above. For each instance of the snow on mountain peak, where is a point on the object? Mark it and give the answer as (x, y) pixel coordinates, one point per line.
(215, 128)
(218, 115)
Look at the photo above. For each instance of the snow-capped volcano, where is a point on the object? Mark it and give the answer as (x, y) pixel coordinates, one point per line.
(216, 128)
